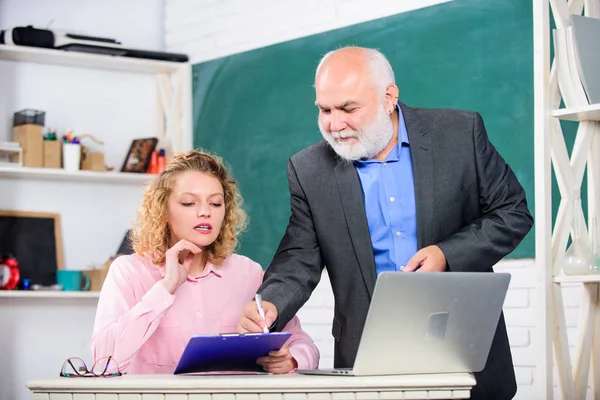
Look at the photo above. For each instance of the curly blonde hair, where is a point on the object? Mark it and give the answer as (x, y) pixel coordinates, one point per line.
(151, 235)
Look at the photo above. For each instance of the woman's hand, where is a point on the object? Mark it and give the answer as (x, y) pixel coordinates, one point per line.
(278, 362)
(176, 272)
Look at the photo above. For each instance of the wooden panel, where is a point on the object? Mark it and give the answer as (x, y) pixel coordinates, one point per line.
(241, 396)
(84, 396)
(416, 394)
(130, 396)
(392, 395)
(271, 396)
(40, 396)
(107, 396)
(176, 396)
(461, 394)
(343, 396)
(440, 394)
(301, 396)
(156, 396)
(368, 396)
(61, 396)
(207, 396)
(223, 396)
(318, 396)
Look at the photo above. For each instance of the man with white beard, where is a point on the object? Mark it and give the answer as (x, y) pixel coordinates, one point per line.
(391, 188)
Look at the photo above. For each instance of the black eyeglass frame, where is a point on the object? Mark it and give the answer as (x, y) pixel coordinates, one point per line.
(90, 373)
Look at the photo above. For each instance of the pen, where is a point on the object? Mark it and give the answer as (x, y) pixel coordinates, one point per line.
(261, 312)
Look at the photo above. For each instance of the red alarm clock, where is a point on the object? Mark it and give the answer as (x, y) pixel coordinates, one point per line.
(9, 273)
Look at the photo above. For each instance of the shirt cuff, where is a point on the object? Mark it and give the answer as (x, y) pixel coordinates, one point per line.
(299, 353)
(158, 298)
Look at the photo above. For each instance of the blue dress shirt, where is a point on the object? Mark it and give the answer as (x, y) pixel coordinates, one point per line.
(389, 194)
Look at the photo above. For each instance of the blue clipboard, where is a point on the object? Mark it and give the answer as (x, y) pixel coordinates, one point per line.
(228, 352)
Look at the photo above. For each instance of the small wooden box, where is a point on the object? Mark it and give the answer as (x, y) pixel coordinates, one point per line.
(52, 156)
(31, 139)
(97, 277)
(93, 161)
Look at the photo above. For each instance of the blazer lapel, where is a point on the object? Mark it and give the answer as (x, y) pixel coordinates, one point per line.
(422, 162)
(356, 218)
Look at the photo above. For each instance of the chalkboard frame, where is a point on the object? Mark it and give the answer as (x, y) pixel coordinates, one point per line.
(57, 228)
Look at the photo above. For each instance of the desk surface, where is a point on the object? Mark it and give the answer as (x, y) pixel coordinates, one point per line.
(450, 386)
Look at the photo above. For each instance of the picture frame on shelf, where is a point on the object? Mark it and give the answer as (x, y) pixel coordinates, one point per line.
(138, 156)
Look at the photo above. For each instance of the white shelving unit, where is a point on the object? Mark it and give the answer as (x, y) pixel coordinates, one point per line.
(82, 176)
(173, 130)
(551, 240)
(589, 113)
(173, 83)
(86, 60)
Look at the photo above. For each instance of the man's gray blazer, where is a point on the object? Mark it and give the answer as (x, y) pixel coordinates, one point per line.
(468, 202)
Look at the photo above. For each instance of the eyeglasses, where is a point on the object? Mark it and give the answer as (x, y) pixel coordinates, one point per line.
(75, 367)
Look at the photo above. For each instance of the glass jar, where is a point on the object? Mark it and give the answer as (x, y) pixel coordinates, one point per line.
(594, 267)
(578, 256)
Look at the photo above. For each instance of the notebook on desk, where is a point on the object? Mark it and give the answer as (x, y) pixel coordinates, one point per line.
(434, 323)
(228, 352)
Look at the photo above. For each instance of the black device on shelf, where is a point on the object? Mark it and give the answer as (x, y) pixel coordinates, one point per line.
(30, 36)
(27, 36)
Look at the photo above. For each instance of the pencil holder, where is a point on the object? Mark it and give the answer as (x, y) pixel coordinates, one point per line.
(71, 156)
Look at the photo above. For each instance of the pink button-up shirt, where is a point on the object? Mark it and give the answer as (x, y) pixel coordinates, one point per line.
(145, 328)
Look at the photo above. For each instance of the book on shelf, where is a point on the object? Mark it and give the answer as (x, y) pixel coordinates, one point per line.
(577, 58)
(586, 35)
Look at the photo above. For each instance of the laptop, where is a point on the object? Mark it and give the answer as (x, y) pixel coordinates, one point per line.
(428, 323)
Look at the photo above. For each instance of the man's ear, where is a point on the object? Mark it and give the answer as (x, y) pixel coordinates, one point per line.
(391, 96)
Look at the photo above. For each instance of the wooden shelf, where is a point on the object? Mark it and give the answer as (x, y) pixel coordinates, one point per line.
(86, 60)
(48, 294)
(62, 175)
(587, 113)
(577, 279)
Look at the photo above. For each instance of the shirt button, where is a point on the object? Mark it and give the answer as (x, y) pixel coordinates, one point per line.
(384, 164)
(199, 315)
(398, 233)
(165, 304)
(392, 199)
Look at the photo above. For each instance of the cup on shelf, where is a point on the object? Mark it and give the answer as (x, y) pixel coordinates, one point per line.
(71, 156)
(72, 280)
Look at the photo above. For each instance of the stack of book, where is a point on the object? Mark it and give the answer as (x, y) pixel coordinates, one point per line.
(577, 54)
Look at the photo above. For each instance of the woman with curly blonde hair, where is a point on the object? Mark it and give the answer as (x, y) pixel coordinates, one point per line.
(184, 278)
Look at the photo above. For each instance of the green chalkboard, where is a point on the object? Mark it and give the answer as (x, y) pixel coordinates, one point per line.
(256, 109)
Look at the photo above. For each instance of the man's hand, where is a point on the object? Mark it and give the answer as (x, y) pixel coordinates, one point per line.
(278, 362)
(251, 320)
(428, 259)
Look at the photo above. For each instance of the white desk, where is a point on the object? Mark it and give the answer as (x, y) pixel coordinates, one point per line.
(255, 387)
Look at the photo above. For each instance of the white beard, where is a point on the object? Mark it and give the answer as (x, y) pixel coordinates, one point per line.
(371, 139)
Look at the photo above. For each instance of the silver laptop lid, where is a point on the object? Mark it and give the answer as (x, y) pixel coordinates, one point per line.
(431, 322)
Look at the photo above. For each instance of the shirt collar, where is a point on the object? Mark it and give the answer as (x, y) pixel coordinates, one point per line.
(402, 139)
(209, 268)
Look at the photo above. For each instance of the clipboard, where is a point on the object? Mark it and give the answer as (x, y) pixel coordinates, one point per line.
(228, 352)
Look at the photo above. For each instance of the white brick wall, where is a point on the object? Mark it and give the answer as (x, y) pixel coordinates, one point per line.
(208, 29)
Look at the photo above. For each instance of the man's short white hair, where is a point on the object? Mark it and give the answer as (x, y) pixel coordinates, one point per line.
(381, 70)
